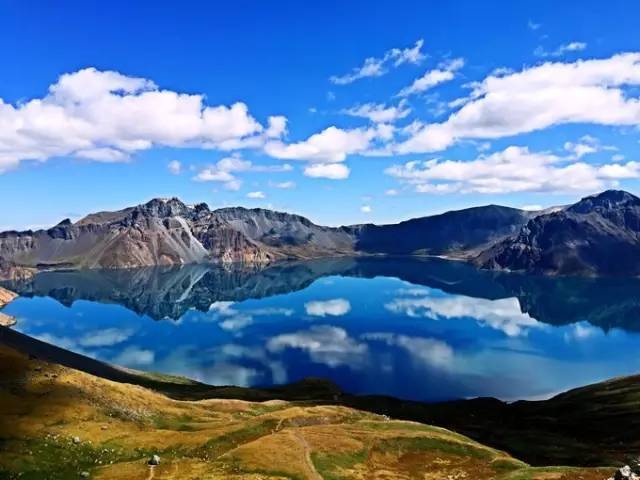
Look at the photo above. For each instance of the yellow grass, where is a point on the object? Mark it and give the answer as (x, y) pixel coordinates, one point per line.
(119, 426)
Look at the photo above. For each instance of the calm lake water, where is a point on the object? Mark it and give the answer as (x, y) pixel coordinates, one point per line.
(412, 328)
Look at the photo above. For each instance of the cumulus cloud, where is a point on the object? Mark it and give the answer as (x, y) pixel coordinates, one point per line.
(379, 113)
(105, 338)
(325, 344)
(256, 195)
(330, 145)
(335, 307)
(332, 171)
(503, 314)
(430, 351)
(174, 167)
(585, 91)
(106, 116)
(430, 79)
(134, 357)
(586, 146)
(225, 171)
(515, 169)
(376, 67)
(365, 208)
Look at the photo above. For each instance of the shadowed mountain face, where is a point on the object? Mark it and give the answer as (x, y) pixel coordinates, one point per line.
(599, 235)
(454, 233)
(169, 292)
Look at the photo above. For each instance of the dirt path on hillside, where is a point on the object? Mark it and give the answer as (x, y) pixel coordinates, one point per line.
(307, 455)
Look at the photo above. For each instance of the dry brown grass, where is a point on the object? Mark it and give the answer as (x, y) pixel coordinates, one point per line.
(44, 406)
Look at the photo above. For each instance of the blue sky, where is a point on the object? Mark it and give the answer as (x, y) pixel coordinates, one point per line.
(346, 112)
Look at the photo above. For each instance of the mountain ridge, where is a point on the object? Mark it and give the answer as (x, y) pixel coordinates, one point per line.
(577, 239)
(597, 236)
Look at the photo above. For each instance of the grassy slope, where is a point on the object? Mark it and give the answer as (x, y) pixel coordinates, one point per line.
(590, 426)
(120, 425)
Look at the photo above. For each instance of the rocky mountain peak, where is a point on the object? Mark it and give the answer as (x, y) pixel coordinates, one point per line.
(165, 207)
(607, 200)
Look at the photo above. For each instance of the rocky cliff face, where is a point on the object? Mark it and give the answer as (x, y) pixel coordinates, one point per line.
(168, 232)
(599, 235)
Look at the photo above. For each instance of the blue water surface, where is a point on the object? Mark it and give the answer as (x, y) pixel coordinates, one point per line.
(421, 329)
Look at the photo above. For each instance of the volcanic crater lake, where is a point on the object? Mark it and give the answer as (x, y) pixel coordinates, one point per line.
(421, 329)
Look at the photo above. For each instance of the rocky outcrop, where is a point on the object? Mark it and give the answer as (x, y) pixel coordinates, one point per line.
(6, 296)
(599, 235)
(625, 473)
(12, 272)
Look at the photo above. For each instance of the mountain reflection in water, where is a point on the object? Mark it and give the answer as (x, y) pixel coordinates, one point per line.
(425, 329)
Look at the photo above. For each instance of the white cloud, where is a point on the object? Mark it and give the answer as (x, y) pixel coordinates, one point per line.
(105, 338)
(585, 91)
(134, 357)
(104, 155)
(277, 127)
(365, 208)
(175, 167)
(330, 145)
(325, 344)
(503, 314)
(379, 113)
(430, 351)
(236, 322)
(106, 116)
(430, 79)
(532, 208)
(225, 170)
(581, 331)
(561, 50)
(579, 150)
(514, 169)
(533, 26)
(392, 192)
(256, 195)
(586, 146)
(335, 307)
(332, 171)
(376, 67)
(284, 185)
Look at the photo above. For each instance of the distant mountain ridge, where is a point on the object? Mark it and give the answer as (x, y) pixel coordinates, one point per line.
(599, 235)
(579, 239)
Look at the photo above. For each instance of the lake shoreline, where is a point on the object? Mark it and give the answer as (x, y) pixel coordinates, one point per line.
(570, 429)
(6, 297)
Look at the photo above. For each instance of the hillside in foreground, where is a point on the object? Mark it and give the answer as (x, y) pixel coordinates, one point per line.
(60, 423)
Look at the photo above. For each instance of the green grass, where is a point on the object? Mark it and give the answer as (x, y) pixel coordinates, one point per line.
(328, 464)
(59, 459)
(219, 445)
(409, 427)
(182, 423)
(416, 444)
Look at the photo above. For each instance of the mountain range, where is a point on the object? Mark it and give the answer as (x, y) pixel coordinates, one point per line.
(599, 235)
